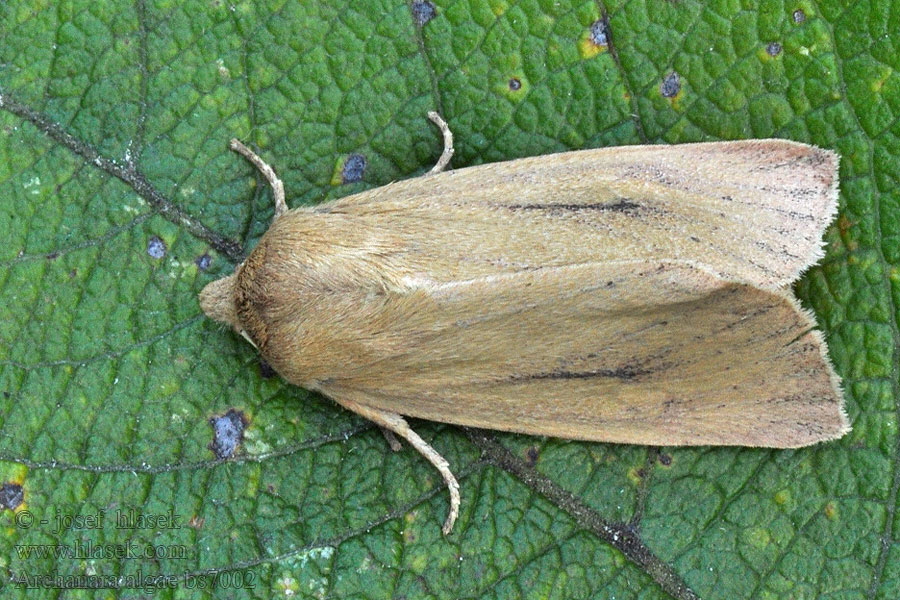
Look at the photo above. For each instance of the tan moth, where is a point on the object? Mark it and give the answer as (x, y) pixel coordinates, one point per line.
(636, 294)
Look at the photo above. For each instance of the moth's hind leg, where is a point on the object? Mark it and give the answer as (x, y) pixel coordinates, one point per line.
(267, 171)
(395, 423)
(447, 154)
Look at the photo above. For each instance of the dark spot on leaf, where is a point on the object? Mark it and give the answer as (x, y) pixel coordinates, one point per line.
(52, 255)
(156, 247)
(670, 86)
(6, 394)
(354, 168)
(773, 49)
(228, 433)
(265, 370)
(532, 456)
(11, 495)
(600, 32)
(665, 459)
(641, 473)
(515, 84)
(799, 16)
(203, 262)
(423, 11)
(73, 273)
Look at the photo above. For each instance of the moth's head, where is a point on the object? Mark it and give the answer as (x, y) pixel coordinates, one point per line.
(237, 299)
(217, 301)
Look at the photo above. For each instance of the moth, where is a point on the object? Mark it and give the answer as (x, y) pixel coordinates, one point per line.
(636, 294)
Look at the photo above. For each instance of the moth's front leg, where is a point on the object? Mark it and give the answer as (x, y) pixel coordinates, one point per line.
(395, 423)
(267, 171)
(447, 154)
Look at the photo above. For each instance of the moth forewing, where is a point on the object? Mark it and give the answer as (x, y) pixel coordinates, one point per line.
(752, 211)
(663, 354)
(629, 294)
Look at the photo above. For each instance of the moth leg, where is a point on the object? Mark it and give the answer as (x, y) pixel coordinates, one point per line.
(392, 440)
(268, 173)
(447, 154)
(397, 424)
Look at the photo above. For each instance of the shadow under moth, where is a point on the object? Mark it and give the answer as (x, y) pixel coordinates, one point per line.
(637, 294)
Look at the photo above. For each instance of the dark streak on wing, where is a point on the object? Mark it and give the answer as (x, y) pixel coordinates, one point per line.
(814, 159)
(793, 214)
(620, 205)
(624, 373)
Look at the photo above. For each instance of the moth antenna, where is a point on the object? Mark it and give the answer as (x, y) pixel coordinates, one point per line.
(393, 422)
(267, 171)
(447, 154)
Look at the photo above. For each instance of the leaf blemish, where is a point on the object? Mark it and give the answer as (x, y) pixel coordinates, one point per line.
(773, 49)
(670, 86)
(799, 16)
(423, 11)
(203, 262)
(228, 433)
(11, 495)
(515, 84)
(354, 168)
(156, 248)
(600, 33)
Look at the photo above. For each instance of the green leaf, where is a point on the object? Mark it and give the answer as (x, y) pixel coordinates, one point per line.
(119, 200)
